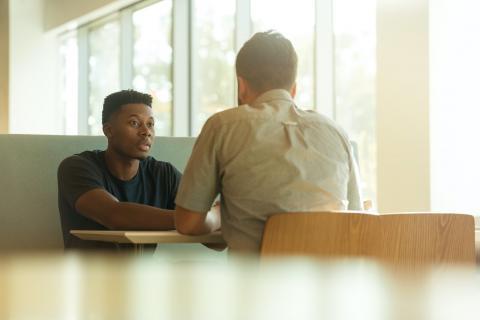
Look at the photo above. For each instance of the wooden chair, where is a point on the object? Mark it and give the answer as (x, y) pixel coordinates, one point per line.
(409, 239)
(427, 238)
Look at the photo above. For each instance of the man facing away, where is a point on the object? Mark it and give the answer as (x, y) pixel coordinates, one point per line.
(121, 187)
(265, 156)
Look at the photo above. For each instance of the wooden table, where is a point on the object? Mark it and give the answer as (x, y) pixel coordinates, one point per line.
(139, 238)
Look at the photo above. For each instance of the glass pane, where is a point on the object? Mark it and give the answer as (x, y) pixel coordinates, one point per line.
(213, 59)
(152, 60)
(355, 61)
(297, 23)
(69, 83)
(104, 70)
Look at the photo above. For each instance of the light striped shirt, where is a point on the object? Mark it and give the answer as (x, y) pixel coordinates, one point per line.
(266, 158)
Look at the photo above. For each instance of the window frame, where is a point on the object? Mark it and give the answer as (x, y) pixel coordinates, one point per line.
(84, 68)
(182, 36)
(182, 77)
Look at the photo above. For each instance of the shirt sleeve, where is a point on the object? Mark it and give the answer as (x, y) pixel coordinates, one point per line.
(353, 192)
(200, 183)
(76, 176)
(175, 178)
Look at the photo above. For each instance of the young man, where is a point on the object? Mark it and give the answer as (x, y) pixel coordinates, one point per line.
(121, 187)
(266, 156)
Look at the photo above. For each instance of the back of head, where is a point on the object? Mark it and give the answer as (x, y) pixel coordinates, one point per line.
(267, 61)
(116, 100)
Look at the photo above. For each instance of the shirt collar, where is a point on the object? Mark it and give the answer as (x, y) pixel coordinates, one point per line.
(275, 94)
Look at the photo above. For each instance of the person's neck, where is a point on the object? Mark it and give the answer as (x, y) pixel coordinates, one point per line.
(250, 98)
(121, 167)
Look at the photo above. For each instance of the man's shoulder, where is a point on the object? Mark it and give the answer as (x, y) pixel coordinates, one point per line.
(249, 112)
(325, 122)
(85, 158)
(232, 115)
(221, 117)
(316, 116)
(225, 120)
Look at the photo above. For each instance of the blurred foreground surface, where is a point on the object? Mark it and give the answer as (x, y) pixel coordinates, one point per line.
(74, 286)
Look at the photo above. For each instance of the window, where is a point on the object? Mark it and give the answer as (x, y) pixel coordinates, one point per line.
(152, 60)
(354, 32)
(103, 70)
(213, 59)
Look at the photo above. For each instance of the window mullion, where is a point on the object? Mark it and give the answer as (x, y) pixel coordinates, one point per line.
(181, 68)
(243, 29)
(83, 87)
(243, 23)
(126, 49)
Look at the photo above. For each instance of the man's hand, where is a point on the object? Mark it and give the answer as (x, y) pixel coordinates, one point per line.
(216, 212)
(216, 246)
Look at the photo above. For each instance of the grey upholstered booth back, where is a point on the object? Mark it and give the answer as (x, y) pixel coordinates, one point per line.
(29, 217)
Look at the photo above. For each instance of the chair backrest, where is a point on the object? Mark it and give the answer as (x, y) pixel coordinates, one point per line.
(426, 238)
(323, 234)
(411, 239)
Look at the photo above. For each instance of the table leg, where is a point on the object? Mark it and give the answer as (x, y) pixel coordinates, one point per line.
(138, 249)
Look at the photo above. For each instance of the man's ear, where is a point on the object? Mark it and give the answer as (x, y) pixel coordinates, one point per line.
(242, 90)
(293, 90)
(107, 130)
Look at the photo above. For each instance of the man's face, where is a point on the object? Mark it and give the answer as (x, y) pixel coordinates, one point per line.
(130, 131)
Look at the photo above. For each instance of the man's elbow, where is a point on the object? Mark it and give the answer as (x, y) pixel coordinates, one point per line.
(101, 211)
(189, 222)
(188, 226)
(185, 230)
(188, 229)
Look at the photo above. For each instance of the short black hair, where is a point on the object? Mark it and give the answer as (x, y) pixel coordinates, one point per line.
(113, 102)
(267, 61)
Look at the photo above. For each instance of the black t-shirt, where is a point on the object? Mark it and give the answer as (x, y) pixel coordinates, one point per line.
(155, 184)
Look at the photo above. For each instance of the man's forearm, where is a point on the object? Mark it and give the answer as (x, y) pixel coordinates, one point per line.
(104, 208)
(196, 223)
(128, 215)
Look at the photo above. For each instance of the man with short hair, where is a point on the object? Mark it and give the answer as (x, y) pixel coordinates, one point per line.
(121, 187)
(266, 156)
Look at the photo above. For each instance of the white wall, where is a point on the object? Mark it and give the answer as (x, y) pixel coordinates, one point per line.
(60, 12)
(455, 105)
(4, 58)
(403, 154)
(33, 83)
(428, 107)
(33, 76)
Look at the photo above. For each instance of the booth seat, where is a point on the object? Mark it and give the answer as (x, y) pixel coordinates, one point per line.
(29, 217)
